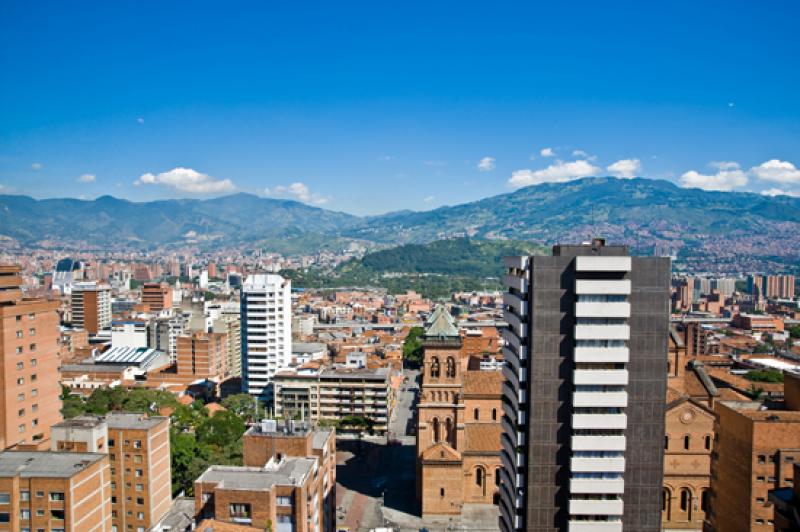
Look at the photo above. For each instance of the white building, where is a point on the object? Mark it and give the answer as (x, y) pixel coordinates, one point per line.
(266, 324)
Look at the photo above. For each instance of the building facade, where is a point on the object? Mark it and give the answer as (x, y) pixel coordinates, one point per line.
(458, 430)
(157, 296)
(583, 400)
(266, 324)
(30, 393)
(53, 491)
(90, 305)
(203, 355)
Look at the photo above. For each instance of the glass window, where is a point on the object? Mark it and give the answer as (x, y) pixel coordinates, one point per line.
(5, 498)
(56, 495)
(24, 495)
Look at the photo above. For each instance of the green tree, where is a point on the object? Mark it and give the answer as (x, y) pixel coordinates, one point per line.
(794, 332)
(412, 347)
(222, 429)
(772, 376)
(242, 405)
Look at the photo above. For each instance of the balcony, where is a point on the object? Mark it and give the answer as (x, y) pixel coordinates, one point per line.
(616, 309)
(516, 324)
(518, 262)
(602, 332)
(611, 486)
(597, 465)
(602, 264)
(511, 377)
(598, 443)
(519, 305)
(602, 354)
(608, 377)
(599, 421)
(519, 284)
(598, 287)
(601, 399)
(593, 507)
(514, 341)
(511, 358)
(595, 526)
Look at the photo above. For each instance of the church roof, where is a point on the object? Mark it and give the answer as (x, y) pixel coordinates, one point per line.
(441, 452)
(483, 437)
(441, 325)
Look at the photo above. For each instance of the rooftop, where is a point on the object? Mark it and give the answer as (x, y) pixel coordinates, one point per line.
(45, 463)
(290, 471)
(128, 355)
(131, 420)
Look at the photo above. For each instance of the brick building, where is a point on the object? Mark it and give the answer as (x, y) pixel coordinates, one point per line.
(157, 296)
(756, 445)
(52, 491)
(458, 422)
(139, 454)
(30, 394)
(267, 441)
(203, 355)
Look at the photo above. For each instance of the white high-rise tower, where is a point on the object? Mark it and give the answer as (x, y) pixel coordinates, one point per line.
(266, 323)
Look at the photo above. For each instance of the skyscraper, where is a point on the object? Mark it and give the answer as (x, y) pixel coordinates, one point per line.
(584, 394)
(266, 324)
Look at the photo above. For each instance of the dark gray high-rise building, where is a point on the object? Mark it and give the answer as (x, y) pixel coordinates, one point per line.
(584, 394)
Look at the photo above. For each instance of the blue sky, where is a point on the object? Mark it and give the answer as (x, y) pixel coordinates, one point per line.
(369, 107)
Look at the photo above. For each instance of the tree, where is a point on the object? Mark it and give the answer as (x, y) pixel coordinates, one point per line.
(794, 332)
(412, 347)
(242, 405)
(755, 393)
(222, 429)
(771, 376)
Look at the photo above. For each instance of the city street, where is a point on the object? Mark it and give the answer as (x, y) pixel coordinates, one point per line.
(376, 480)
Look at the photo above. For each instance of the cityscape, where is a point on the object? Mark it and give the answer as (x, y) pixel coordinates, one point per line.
(303, 268)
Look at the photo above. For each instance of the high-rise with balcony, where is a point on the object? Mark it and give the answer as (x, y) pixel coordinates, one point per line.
(266, 325)
(90, 304)
(583, 400)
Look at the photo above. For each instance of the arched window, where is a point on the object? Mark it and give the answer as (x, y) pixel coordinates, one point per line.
(686, 502)
(441, 492)
(436, 430)
(476, 414)
(666, 442)
(435, 368)
(448, 431)
(451, 368)
(704, 500)
(480, 477)
(497, 477)
(666, 503)
(494, 414)
(686, 440)
(708, 442)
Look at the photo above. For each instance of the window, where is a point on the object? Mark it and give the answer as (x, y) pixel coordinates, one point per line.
(113, 486)
(139, 472)
(240, 511)
(40, 494)
(25, 514)
(441, 492)
(21, 412)
(137, 459)
(24, 495)
(476, 414)
(139, 500)
(686, 440)
(5, 498)
(762, 459)
(5, 517)
(494, 414)
(20, 366)
(35, 423)
(35, 408)
(20, 381)
(284, 501)
(33, 362)
(704, 500)
(139, 487)
(111, 443)
(21, 397)
(21, 428)
(19, 349)
(40, 513)
(34, 392)
(32, 347)
(137, 444)
(32, 331)
(19, 334)
(56, 495)
(480, 477)
(33, 377)
(139, 515)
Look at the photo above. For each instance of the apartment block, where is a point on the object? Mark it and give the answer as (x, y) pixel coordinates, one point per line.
(228, 321)
(335, 393)
(202, 355)
(139, 454)
(30, 394)
(266, 325)
(756, 445)
(54, 491)
(157, 296)
(269, 441)
(281, 494)
(583, 399)
(163, 333)
(90, 305)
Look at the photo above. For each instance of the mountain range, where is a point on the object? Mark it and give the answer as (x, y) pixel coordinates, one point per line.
(643, 213)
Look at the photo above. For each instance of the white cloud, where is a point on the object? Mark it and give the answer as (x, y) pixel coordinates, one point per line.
(547, 152)
(87, 178)
(729, 176)
(778, 192)
(429, 199)
(627, 168)
(559, 171)
(486, 164)
(187, 180)
(777, 171)
(140, 120)
(298, 191)
(37, 166)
